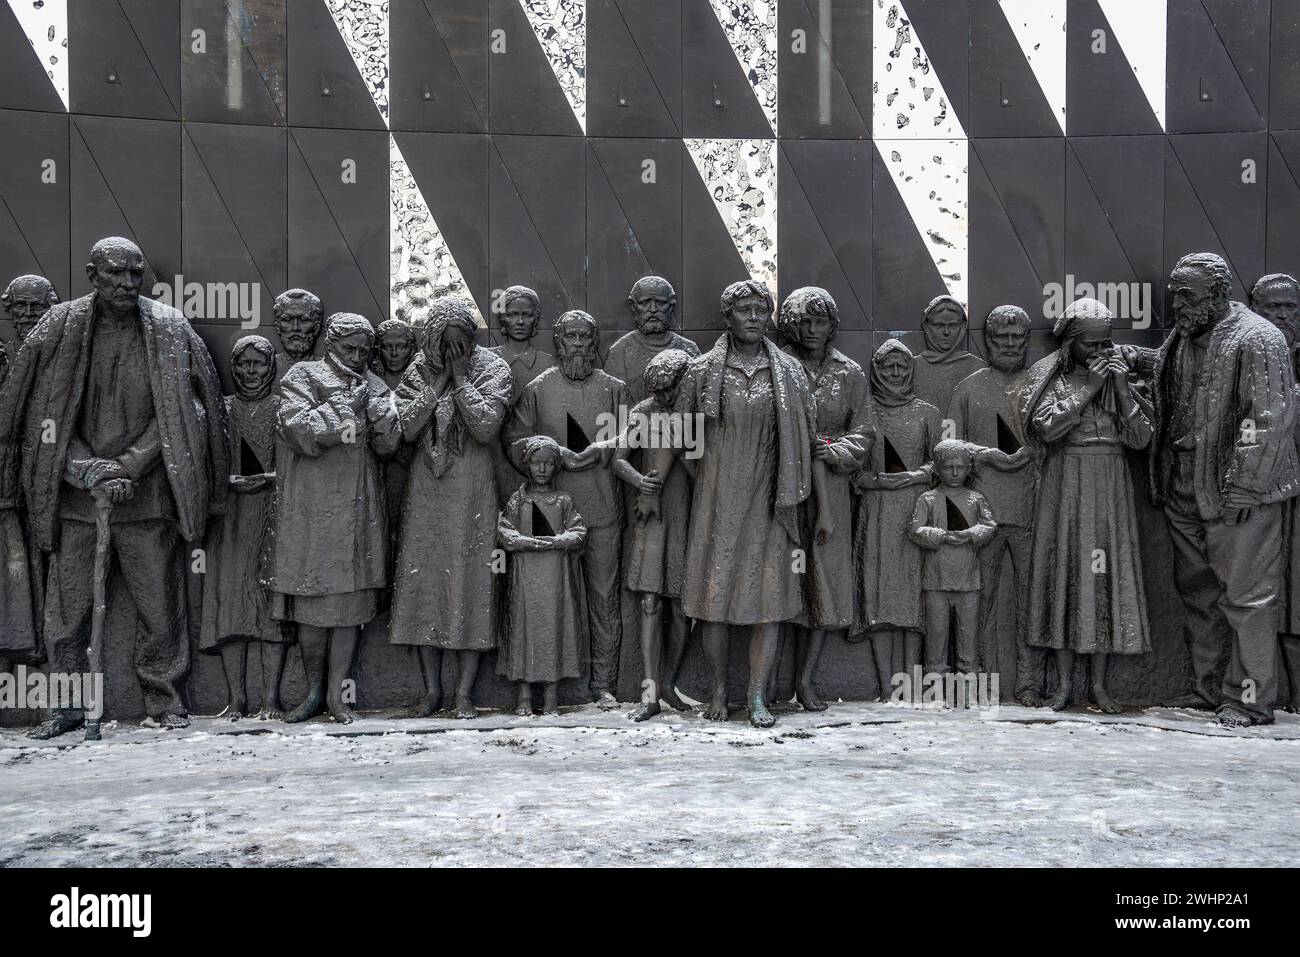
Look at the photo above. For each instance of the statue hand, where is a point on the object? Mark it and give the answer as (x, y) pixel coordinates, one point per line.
(114, 491)
(893, 481)
(101, 470)
(651, 483)
(824, 528)
(647, 508)
(456, 357)
(822, 451)
(1098, 371)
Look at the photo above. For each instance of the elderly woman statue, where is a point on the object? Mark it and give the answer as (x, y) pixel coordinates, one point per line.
(337, 420)
(1079, 414)
(809, 320)
(744, 544)
(451, 402)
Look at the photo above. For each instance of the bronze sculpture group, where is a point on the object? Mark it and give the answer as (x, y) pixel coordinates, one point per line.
(477, 499)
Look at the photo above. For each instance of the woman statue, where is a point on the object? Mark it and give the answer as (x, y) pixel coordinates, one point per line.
(1080, 414)
(809, 320)
(886, 562)
(451, 402)
(337, 420)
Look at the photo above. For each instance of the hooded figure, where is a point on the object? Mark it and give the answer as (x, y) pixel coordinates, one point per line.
(944, 361)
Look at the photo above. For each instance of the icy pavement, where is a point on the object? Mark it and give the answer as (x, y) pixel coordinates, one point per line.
(862, 784)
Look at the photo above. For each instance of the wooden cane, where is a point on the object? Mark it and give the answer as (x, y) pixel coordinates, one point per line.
(95, 653)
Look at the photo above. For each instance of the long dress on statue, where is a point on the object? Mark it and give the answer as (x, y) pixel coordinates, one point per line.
(1086, 590)
(655, 562)
(544, 637)
(19, 575)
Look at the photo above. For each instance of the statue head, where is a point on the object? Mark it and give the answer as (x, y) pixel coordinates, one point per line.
(954, 460)
(521, 311)
(1006, 338)
(541, 457)
(809, 319)
(394, 346)
(663, 375)
(297, 314)
(448, 322)
(1276, 297)
(349, 338)
(577, 342)
(1084, 330)
(116, 271)
(892, 369)
(252, 366)
(653, 303)
(747, 308)
(1199, 290)
(26, 300)
(943, 323)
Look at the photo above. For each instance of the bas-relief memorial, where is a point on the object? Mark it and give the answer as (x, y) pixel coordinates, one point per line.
(406, 485)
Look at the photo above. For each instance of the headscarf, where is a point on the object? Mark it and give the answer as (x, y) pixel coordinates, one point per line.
(931, 352)
(882, 391)
(263, 347)
(535, 444)
(448, 433)
(252, 419)
(1081, 316)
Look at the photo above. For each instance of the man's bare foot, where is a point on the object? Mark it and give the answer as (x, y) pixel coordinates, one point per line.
(1232, 718)
(1061, 699)
(339, 711)
(524, 708)
(606, 701)
(427, 706)
(1105, 702)
(167, 722)
(234, 710)
(313, 706)
(551, 701)
(717, 709)
(807, 696)
(644, 710)
(759, 716)
(273, 712)
(669, 694)
(465, 708)
(1190, 700)
(57, 725)
(1031, 698)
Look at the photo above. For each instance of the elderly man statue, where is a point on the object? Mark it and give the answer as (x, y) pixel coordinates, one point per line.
(653, 303)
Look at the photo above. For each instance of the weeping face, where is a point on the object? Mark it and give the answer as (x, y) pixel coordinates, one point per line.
(748, 318)
(519, 319)
(1089, 343)
(252, 372)
(396, 351)
(542, 466)
(353, 351)
(1279, 303)
(895, 369)
(944, 326)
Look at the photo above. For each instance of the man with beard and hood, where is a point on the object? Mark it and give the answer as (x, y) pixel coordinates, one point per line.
(298, 316)
(1223, 460)
(1276, 297)
(128, 395)
(653, 303)
(573, 404)
(944, 361)
(983, 411)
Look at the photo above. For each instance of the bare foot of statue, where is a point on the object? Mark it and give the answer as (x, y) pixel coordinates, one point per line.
(272, 712)
(57, 725)
(313, 706)
(465, 708)
(717, 709)
(669, 694)
(1189, 700)
(606, 701)
(427, 706)
(807, 696)
(339, 711)
(1105, 702)
(1061, 699)
(235, 709)
(1031, 698)
(1232, 718)
(167, 722)
(759, 716)
(525, 706)
(644, 710)
(551, 700)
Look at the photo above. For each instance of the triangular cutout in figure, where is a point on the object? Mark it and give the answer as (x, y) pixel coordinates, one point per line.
(249, 463)
(956, 520)
(893, 461)
(577, 438)
(1007, 441)
(541, 525)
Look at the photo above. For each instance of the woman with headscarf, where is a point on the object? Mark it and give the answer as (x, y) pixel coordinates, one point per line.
(944, 361)
(452, 402)
(1079, 414)
(886, 562)
(236, 606)
(336, 422)
(743, 544)
(809, 320)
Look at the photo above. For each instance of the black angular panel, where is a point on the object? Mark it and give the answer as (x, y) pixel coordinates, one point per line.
(233, 68)
(525, 94)
(943, 28)
(904, 277)
(717, 99)
(634, 57)
(34, 211)
(451, 170)
(710, 260)
(634, 227)
(825, 85)
(125, 59)
(24, 83)
(1208, 206)
(235, 227)
(1282, 251)
(438, 60)
(1101, 93)
(1005, 96)
(338, 231)
(126, 181)
(1206, 88)
(824, 222)
(325, 85)
(1017, 223)
(536, 188)
(1284, 68)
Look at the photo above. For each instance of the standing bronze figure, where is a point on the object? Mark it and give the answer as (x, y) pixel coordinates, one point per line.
(653, 304)
(298, 315)
(518, 312)
(944, 361)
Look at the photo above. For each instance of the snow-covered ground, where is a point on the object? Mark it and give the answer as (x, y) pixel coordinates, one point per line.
(862, 784)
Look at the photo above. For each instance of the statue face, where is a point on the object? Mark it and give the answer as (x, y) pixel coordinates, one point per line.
(519, 320)
(542, 466)
(353, 351)
(395, 352)
(1088, 343)
(1279, 303)
(297, 328)
(251, 371)
(26, 307)
(894, 369)
(953, 471)
(456, 336)
(1194, 303)
(748, 319)
(812, 333)
(117, 278)
(944, 327)
(668, 397)
(1006, 347)
(652, 310)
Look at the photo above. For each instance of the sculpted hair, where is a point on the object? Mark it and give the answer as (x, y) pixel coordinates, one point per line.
(743, 290)
(344, 324)
(666, 369)
(1007, 317)
(38, 284)
(807, 300)
(1263, 282)
(314, 311)
(574, 315)
(1210, 265)
(536, 445)
(954, 449)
